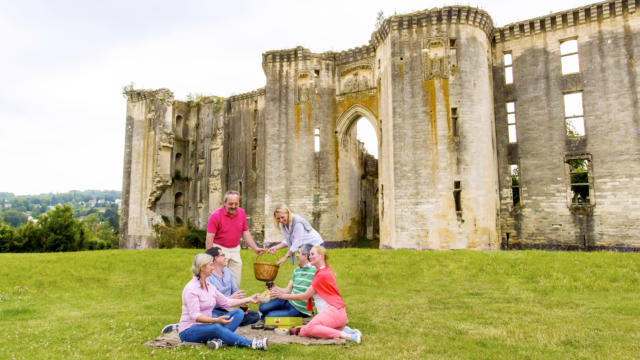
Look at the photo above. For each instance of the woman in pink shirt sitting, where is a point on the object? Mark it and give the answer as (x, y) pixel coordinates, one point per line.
(198, 301)
(332, 317)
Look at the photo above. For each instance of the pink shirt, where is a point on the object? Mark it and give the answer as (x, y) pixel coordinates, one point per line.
(197, 301)
(228, 230)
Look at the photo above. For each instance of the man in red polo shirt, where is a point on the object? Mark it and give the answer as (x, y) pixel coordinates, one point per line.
(226, 226)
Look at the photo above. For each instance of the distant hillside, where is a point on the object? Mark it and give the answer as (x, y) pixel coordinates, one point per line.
(82, 202)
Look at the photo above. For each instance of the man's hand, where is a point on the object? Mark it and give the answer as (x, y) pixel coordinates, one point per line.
(224, 320)
(272, 251)
(275, 292)
(259, 251)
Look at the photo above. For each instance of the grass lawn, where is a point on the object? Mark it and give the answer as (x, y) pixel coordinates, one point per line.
(408, 304)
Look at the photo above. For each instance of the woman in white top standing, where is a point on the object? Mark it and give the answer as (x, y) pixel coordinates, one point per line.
(296, 231)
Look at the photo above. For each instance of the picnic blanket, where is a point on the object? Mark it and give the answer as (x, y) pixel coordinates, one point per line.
(172, 339)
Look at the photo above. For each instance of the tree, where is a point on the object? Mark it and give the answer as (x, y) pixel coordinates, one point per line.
(379, 19)
(6, 237)
(28, 238)
(13, 217)
(108, 235)
(61, 231)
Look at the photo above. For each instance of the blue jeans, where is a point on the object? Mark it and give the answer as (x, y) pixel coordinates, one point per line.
(279, 308)
(206, 332)
(249, 318)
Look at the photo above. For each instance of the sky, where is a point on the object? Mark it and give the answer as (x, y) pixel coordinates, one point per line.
(64, 63)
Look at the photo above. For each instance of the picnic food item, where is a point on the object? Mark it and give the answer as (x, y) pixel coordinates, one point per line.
(264, 297)
(281, 331)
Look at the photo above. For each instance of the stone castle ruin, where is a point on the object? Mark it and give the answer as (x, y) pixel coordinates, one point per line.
(524, 136)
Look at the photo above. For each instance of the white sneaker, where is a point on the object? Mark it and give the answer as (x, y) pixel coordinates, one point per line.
(259, 344)
(214, 344)
(169, 328)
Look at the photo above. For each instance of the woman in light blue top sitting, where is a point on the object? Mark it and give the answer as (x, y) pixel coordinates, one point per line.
(296, 231)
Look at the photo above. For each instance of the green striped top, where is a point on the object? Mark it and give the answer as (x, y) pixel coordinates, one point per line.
(301, 279)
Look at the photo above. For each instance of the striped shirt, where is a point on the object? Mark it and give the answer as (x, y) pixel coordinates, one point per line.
(301, 278)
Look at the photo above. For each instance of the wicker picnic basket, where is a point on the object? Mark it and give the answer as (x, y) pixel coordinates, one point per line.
(265, 271)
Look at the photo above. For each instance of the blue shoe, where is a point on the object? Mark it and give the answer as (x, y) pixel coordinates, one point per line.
(169, 328)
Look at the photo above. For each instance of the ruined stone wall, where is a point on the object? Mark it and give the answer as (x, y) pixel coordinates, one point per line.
(300, 98)
(608, 43)
(243, 156)
(147, 166)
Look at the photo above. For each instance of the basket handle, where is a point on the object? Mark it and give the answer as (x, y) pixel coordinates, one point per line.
(256, 260)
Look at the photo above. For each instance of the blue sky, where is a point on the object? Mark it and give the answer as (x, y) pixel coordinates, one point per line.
(64, 63)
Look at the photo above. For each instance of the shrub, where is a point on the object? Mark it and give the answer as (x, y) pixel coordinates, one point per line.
(6, 237)
(172, 236)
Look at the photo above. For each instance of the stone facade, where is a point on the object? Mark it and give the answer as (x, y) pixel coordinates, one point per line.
(451, 172)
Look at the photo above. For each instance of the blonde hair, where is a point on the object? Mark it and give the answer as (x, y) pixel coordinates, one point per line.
(321, 250)
(282, 208)
(199, 261)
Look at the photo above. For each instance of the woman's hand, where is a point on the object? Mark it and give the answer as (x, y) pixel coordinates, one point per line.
(237, 295)
(272, 250)
(282, 260)
(253, 298)
(224, 320)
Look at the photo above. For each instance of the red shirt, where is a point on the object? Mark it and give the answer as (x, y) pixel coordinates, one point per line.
(324, 283)
(227, 229)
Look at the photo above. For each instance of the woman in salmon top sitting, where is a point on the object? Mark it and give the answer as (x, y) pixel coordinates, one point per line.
(332, 316)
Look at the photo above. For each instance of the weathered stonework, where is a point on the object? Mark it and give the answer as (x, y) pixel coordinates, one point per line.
(432, 84)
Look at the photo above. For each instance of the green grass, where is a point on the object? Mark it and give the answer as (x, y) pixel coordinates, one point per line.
(408, 304)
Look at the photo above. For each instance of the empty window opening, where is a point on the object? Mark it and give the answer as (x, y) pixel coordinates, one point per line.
(456, 197)
(580, 180)
(573, 114)
(454, 121)
(178, 166)
(367, 134)
(316, 140)
(316, 72)
(511, 122)
(508, 68)
(179, 124)
(569, 56)
(515, 183)
(179, 199)
(254, 153)
(452, 43)
(240, 192)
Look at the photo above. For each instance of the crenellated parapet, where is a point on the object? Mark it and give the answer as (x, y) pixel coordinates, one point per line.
(355, 54)
(565, 19)
(449, 15)
(247, 95)
(144, 94)
(291, 55)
